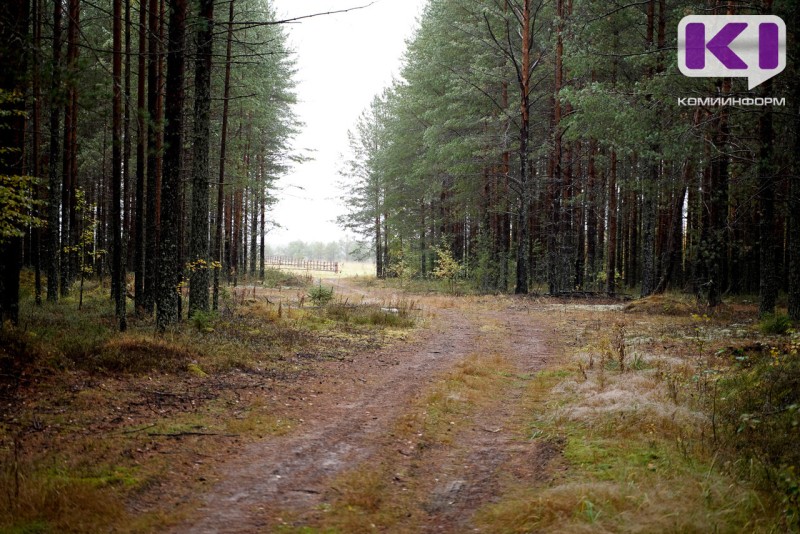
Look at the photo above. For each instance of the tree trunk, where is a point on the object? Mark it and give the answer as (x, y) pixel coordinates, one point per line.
(236, 235)
(794, 195)
(169, 268)
(555, 238)
(219, 242)
(522, 282)
(199, 246)
(127, 195)
(714, 246)
(262, 244)
(69, 183)
(379, 268)
(768, 286)
(650, 188)
(139, 238)
(53, 250)
(254, 196)
(611, 272)
(153, 178)
(649, 215)
(36, 163)
(591, 215)
(118, 289)
(14, 22)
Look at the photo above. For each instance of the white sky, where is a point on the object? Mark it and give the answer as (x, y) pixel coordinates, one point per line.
(343, 61)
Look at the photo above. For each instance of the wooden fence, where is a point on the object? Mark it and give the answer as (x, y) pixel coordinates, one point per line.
(307, 265)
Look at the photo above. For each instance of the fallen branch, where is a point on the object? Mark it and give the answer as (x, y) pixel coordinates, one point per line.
(181, 434)
(135, 430)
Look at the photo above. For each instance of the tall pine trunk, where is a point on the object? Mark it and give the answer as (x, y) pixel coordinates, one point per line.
(169, 268)
(141, 155)
(53, 249)
(263, 233)
(611, 271)
(524, 79)
(768, 283)
(70, 148)
(198, 245)
(219, 242)
(36, 160)
(118, 289)
(127, 196)
(153, 133)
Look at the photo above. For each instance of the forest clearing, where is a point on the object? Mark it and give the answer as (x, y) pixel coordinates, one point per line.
(389, 411)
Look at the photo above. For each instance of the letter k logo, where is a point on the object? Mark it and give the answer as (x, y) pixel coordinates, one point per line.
(719, 45)
(741, 46)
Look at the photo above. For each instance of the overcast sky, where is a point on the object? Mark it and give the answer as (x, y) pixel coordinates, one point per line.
(343, 61)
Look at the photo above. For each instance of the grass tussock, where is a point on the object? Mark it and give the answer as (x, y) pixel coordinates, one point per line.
(49, 501)
(664, 304)
(399, 315)
(775, 324)
(448, 405)
(137, 354)
(605, 506)
(365, 501)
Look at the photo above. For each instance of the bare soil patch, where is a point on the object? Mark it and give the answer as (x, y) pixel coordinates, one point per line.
(352, 415)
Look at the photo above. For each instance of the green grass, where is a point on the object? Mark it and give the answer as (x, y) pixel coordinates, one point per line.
(775, 324)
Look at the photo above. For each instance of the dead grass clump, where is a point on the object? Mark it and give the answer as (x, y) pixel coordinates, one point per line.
(646, 502)
(664, 304)
(449, 403)
(572, 507)
(372, 314)
(257, 421)
(41, 502)
(279, 278)
(365, 501)
(138, 355)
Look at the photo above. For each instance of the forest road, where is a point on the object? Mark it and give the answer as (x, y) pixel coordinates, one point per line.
(349, 413)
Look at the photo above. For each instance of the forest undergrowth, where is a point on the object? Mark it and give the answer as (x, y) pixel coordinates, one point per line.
(105, 431)
(667, 419)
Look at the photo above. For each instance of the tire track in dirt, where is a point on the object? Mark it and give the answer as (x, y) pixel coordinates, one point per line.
(490, 453)
(354, 406)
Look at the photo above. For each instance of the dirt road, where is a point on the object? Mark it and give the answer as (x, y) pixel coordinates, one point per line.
(349, 415)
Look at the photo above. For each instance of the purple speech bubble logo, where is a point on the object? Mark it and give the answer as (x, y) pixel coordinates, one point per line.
(751, 46)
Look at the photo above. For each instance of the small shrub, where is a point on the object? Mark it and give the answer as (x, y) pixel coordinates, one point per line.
(775, 324)
(204, 321)
(447, 267)
(321, 295)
